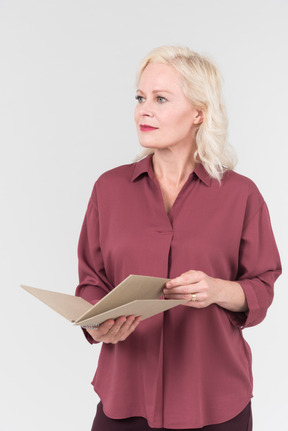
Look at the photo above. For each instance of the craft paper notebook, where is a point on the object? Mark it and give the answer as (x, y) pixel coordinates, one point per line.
(137, 295)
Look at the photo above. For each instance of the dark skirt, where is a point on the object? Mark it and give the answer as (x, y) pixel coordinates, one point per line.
(242, 422)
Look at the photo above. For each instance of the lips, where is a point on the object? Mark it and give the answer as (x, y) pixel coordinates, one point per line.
(146, 128)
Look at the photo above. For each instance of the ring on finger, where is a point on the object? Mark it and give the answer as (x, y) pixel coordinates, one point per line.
(193, 297)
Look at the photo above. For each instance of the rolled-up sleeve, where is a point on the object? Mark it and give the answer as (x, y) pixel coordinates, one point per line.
(259, 266)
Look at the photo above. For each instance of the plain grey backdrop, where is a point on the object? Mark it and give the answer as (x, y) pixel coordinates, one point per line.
(67, 74)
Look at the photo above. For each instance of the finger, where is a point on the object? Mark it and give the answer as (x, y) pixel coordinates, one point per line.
(198, 301)
(118, 323)
(104, 328)
(178, 281)
(182, 289)
(111, 331)
(178, 296)
(128, 327)
(134, 322)
(101, 330)
(188, 277)
(124, 331)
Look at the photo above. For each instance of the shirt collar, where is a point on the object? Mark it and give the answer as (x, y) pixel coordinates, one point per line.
(202, 174)
(144, 166)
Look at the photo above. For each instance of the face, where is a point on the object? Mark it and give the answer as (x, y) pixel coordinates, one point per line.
(164, 116)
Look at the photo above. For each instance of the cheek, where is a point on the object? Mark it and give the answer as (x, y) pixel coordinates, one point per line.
(187, 121)
(137, 112)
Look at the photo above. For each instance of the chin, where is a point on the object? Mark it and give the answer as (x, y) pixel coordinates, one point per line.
(152, 145)
(147, 145)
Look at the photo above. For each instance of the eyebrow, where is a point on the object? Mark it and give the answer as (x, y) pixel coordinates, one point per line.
(155, 91)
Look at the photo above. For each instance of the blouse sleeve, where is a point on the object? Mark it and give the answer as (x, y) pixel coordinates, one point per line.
(93, 283)
(259, 264)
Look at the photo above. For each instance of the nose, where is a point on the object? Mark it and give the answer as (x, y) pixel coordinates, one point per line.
(145, 109)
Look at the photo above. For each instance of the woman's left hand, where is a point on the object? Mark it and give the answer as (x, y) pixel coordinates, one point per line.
(200, 291)
(195, 286)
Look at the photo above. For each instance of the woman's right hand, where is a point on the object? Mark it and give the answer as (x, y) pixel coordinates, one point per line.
(113, 331)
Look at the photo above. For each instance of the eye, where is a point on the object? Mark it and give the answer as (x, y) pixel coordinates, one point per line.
(140, 99)
(161, 99)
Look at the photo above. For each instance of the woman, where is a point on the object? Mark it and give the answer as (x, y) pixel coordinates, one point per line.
(181, 213)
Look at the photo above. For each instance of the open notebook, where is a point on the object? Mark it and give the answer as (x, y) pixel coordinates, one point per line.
(137, 295)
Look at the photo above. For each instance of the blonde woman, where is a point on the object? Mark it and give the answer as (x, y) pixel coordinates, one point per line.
(179, 212)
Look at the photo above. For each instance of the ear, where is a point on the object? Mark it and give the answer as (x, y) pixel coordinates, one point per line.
(199, 117)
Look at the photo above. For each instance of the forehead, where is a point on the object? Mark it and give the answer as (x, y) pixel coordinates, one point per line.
(160, 75)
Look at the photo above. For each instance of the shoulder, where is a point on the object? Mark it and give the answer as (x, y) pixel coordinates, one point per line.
(123, 172)
(240, 183)
(114, 180)
(112, 177)
(234, 178)
(242, 189)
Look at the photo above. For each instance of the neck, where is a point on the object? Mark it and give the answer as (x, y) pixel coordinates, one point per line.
(173, 166)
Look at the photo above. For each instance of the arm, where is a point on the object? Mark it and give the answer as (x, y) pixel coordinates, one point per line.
(93, 281)
(247, 298)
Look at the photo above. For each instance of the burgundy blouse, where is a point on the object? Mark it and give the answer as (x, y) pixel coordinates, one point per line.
(184, 368)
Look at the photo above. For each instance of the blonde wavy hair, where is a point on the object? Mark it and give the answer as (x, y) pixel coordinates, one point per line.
(202, 85)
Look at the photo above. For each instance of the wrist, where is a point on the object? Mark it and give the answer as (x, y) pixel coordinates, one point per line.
(231, 296)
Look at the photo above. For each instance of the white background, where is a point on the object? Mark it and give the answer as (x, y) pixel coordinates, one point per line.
(67, 76)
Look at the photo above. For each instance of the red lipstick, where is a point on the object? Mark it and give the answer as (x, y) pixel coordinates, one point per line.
(146, 128)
